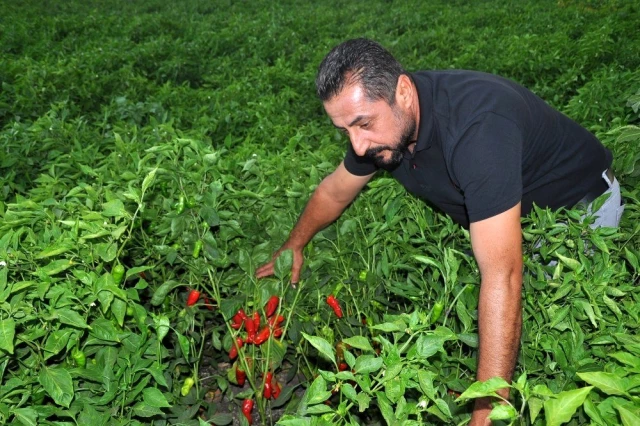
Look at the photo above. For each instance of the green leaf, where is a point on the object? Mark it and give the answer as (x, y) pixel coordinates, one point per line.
(425, 379)
(148, 180)
(114, 208)
(389, 327)
(157, 375)
(58, 384)
(628, 417)
(7, 334)
(359, 342)
(322, 346)
(56, 342)
(593, 412)
(219, 419)
(367, 364)
(317, 392)
(482, 389)
(56, 267)
(26, 416)
(142, 409)
(67, 316)
(363, 401)
(161, 292)
(570, 263)
(154, 398)
(349, 391)
(429, 345)
(503, 412)
(560, 409)
(609, 383)
(184, 345)
(535, 406)
(283, 264)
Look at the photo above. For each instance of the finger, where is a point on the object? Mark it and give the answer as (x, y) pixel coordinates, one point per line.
(265, 270)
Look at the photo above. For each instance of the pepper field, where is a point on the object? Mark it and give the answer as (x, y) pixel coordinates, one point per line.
(154, 149)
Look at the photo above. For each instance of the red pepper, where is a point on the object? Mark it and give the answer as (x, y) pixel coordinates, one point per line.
(250, 325)
(262, 336)
(208, 304)
(247, 407)
(256, 320)
(193, 297)
(272, 306)
(275, 390)
(241, 376)
(237, 319)
(233, 352)
(335, 305)
(277, 332)
(276, 321)
(268, 378)
(342, 366)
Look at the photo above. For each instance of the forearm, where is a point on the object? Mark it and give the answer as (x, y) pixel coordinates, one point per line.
(499, 326)
(321, 210)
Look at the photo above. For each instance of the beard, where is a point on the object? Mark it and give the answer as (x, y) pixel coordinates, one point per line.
(397, 150)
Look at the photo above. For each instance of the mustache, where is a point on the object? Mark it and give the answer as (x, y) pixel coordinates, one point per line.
(373, 152)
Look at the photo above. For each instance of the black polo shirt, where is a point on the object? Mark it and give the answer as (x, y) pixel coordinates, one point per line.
(485, 143)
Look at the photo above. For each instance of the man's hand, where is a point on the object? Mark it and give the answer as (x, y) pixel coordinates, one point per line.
(298, 260)
(497, 246)
(327, 203)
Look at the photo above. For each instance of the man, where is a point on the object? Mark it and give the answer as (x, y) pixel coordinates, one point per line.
(479, 147)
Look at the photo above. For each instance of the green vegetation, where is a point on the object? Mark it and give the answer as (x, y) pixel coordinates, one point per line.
(180, 141)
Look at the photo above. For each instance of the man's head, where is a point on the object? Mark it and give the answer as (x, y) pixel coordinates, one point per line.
(368, 95)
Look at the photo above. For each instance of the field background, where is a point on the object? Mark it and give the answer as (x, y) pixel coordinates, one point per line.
(133, 131)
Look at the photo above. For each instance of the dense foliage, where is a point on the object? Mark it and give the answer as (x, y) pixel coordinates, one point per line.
(153, 148)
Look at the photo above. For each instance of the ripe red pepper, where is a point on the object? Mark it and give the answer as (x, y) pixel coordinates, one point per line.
(247, 407)
(238, 319)
(272, 306)
(275, 390)
(250, 325)
(256, 320)
(193, 297)
(342, 366)
(233, 352)
(268, 385)
(262, 336)
(266, 393)
(241, 376)
(277, 332)
(208, 304)
(335, 305)
(276, 321)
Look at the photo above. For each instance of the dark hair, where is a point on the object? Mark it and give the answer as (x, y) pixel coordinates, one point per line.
(360, 61)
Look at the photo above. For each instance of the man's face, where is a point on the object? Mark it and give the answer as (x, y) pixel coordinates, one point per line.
(377, 130)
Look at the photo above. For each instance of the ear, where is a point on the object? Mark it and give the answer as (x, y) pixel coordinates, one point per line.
(404, 91)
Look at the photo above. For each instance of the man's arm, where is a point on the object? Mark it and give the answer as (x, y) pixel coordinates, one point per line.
(497, 247)
(327, 203)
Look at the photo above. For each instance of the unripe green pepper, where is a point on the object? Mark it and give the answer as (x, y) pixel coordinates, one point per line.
(196, 248)
(117, 273)
(79, 357)
(436, 311)
(186, 386)
(179, 206)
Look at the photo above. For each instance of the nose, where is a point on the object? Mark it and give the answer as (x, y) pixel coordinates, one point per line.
(359, 143)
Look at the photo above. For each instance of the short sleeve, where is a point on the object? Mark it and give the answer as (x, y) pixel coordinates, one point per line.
(487, 164)
(356, 165)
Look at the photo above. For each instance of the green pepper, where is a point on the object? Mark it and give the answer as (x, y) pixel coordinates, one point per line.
(186, 386)
(196, 248)
(436, 311)
(179, 206)
(117, 273)
(79, 357)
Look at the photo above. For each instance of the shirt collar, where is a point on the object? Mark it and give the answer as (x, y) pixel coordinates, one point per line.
(425, 97)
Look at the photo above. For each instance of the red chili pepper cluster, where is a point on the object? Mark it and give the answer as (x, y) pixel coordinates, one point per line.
(252, 324)
(271, 387)
(335, 305)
